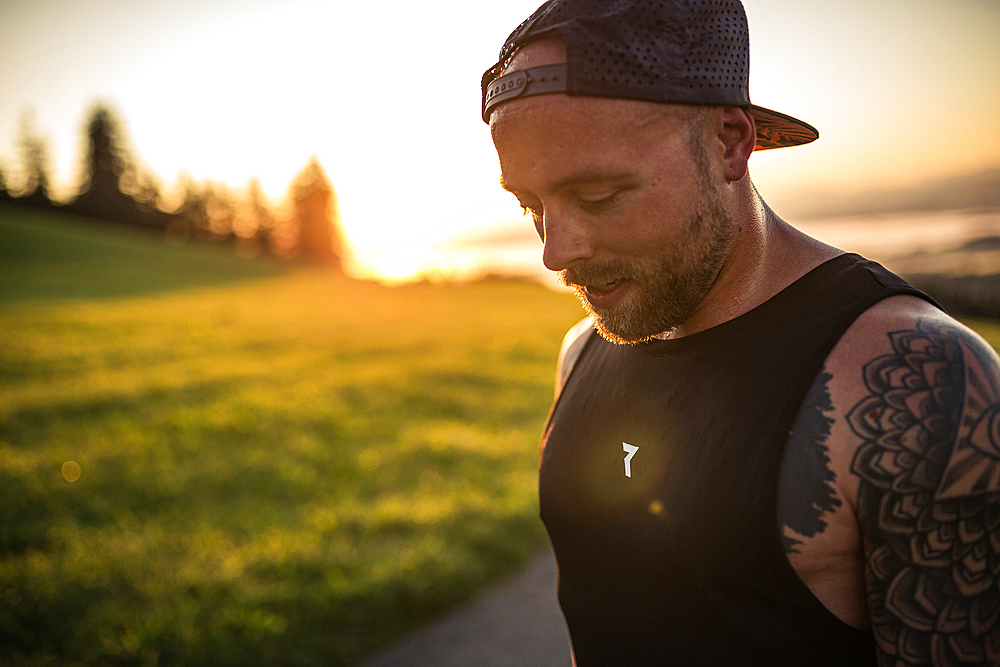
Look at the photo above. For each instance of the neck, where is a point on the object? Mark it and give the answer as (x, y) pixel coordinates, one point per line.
(766, 256)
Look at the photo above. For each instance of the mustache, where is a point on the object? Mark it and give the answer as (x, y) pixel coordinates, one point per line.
(598, 273)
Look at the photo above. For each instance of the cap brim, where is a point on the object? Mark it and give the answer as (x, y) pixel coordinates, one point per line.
(776, 130)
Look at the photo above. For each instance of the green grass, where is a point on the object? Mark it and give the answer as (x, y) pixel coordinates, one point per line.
(49, 254)
(276, 467)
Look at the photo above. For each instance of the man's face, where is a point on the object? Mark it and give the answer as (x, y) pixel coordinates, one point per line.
(625, 202)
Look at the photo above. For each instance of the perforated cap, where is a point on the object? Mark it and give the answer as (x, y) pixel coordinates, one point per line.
(682, 51)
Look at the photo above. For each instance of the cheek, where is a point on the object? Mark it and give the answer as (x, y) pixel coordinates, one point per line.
(653, 225)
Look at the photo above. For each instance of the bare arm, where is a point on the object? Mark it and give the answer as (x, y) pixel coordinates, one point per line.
(927, 474)
(890, 495)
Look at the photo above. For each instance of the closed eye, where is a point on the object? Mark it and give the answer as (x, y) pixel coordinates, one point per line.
(600, 203)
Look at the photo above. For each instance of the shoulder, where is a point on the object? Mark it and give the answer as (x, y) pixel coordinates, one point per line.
(572, 345)
(905, 375)
(881, 326)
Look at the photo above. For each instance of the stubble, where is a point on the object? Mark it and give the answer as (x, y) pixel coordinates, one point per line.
(667, 290)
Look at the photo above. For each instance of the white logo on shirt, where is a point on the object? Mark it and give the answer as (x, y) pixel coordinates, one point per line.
(631, 450)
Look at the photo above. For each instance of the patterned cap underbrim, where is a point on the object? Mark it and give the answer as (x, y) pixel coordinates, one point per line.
(776, 130)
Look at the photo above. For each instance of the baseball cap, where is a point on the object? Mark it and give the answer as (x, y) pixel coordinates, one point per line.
(681, 51)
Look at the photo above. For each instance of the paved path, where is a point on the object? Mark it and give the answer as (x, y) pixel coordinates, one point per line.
(516, 624)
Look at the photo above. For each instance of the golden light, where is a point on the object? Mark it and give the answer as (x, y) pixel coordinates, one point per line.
(386, 95)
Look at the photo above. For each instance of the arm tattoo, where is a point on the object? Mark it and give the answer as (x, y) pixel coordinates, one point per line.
(928, 501)
(807, 491)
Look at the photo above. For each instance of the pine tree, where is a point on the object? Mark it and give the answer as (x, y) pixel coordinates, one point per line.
(107, 169)
(105, 163)
(191, 218)
(34, 164)
(262, 220)
(315, 212)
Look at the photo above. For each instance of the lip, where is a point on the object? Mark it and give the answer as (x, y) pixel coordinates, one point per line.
(604, 299)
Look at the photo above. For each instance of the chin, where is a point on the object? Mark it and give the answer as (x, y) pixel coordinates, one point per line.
(622, 325)
(613, 333)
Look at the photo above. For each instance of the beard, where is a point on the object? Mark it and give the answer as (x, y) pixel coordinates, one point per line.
(667, 289)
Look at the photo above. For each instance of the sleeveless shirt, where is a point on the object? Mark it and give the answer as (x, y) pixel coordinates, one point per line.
(658, 486)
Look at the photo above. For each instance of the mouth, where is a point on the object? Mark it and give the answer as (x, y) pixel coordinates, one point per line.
(603, 285)
(606, 295)
(601, 288)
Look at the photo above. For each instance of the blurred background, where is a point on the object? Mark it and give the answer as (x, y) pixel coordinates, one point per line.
(276, 349)
(385, 96)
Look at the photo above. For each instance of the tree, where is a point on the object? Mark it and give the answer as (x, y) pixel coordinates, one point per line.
(4, 194)
(34, 164)
(107, 170)
(315, 213)
(221, 212)
(190, 219)
(146, 193)
(254, 223)
(105, 162)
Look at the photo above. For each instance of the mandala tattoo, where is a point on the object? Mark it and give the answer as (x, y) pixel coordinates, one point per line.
(929, 469)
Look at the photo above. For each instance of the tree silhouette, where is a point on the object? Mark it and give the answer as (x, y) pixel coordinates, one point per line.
(105, 163)
(110, 180)
(221, 212)
(4, 194)
(255, 223)
(315, 212)
(34, 164)
(146, 193)
(113, 187)
(190, 220)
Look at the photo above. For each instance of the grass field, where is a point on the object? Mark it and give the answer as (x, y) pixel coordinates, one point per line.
(275, 466)
(270, 466)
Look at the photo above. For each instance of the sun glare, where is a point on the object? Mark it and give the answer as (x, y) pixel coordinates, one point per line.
(228, 93)
(390, 267)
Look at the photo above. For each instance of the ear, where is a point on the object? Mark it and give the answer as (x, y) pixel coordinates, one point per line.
(738, 136)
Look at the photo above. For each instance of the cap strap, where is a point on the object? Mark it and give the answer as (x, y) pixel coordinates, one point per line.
(523, 83)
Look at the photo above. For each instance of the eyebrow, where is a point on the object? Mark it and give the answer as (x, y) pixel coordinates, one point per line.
(587, 176)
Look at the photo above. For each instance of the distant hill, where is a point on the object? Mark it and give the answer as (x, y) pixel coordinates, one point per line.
(980, 190)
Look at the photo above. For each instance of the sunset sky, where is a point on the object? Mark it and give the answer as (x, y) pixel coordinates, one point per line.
(386, 95)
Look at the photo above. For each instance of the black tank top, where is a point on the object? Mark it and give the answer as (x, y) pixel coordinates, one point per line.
(659, 478)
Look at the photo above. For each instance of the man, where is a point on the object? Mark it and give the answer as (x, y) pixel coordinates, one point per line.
(774, 452)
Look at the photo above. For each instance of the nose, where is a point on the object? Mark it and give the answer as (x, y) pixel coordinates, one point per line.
(566, 241)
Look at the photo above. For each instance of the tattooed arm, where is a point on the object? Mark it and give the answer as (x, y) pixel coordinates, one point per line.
(890, 492)
(928, 495)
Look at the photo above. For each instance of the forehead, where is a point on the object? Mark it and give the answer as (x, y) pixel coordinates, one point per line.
(551, 116)
(557, 138)
(548, 121)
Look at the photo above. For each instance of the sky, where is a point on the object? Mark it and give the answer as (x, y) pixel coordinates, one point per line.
(386, 96)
